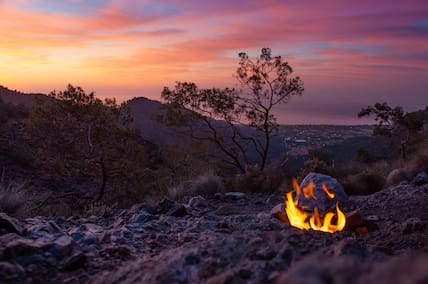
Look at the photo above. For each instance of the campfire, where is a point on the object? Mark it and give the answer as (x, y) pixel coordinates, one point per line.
(300, 218)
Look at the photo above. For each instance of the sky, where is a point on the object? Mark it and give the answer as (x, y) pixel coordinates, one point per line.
(349, 54)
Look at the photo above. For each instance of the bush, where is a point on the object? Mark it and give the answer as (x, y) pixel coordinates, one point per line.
(59, 208)
(208, 183)
(363, 183)
(98, 208)
(256, 181)
(315, 165)
(12, 196)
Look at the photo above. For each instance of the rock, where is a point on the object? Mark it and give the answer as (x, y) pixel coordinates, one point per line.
(420, 179)
(279, 212)
(412, 225)
(165, 206)
(62, 247)
(322, 201)
(395, 177)
(37, 227)
(197, 202)
(280, 208)
(76, 261)
(11, 272)
(144, 217)
(87, 233)
(265, 254)
(354, 219)
(178, 210)
(24, 247)
(10, 224)
(219, 196)
(234, 195)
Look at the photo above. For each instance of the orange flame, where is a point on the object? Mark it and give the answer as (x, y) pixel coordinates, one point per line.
(329, 194)
(302, 220)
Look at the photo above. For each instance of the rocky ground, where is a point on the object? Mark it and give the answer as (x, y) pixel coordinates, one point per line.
(229, 238)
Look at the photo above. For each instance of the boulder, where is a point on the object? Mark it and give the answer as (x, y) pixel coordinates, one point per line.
(395, 177)
(197, 202)
(420, 179)
(322, 201)
(10, 224)
(38, 227)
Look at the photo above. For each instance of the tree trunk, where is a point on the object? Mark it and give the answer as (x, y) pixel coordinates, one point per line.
(103, 180)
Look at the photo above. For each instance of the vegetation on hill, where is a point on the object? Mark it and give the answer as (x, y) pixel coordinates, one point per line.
(74, 153)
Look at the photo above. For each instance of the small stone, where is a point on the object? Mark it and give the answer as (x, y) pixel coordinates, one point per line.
(234, 195)
(24, 247)
(278, 212)
(219, 196)
(420, 179)
(412, 225)
(354, 219)
(62, 246)
(373, 218)
(75, 261)
(178, 210)
(10, 224)
(144, 217)
(197, 202)
(222, 225)
(280, 208)
(10, 273)
(265, 254)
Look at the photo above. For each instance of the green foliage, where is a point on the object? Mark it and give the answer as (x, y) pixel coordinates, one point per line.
(265, 82)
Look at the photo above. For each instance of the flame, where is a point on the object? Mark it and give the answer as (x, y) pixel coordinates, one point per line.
(329, 194)
(302, 220)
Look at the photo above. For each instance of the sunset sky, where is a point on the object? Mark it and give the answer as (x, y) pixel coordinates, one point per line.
(349, 54)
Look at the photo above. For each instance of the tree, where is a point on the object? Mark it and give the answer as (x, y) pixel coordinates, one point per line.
(394, 123)
(265, 82)
(80, 125)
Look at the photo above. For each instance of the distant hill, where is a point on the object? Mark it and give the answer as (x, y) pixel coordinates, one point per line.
(16, 97)
(144, 111)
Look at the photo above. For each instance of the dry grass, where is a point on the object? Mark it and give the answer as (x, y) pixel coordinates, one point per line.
(207, 183)
(12, 196)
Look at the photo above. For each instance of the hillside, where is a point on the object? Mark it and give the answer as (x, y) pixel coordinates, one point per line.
(16, 97)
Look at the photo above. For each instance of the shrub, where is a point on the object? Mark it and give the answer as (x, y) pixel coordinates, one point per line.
(59, 208)
(314, 165)
(364, 183)
(256, 181)
(98, 208)
(208, 183)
